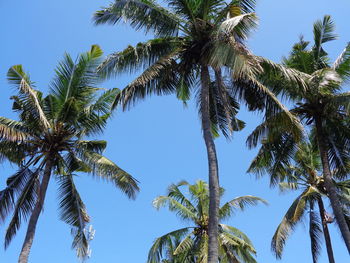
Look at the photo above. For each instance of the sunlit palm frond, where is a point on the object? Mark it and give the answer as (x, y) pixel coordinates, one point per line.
(290, 220)
(12, 130)
(342, 63)
(140, 14)
(105, 169)
(30, 97)
(182, 210)
(159, 246)
(239, 26)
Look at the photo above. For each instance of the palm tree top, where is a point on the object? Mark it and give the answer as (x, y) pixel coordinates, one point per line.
(50, 137)
(192, 206)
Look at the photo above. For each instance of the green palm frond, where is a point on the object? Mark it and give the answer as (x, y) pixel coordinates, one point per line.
(323, 33)
(185, 245)
(141, 14)
(181, 210)
(105, 169)
(74, 213)
(290, 219)
(160, 244)
(141, 56)
(239, 203)
(342, 63)
(315, 232)
(97, 146)
(160, 78)
(75, 82)
(26, 200)
(29, 97)
(103, 104)
(239, 236)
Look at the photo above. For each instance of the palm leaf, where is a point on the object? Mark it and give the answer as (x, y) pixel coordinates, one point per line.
(29, 96)
(140, 14)
(108, 170)
(160, 245)
(323, 33)
(239, 203)
(26, 200)
(342, 63)
(73, 212)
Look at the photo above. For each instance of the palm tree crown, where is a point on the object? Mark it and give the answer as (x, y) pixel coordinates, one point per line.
(190, 244)
(301, 171)
(320, 104)
(49, 139)
(196, 43)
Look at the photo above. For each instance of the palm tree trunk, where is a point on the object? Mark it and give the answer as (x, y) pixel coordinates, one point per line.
(326, 234)
(330, 187)
(311, 222)
(28, 241)
(214, 195)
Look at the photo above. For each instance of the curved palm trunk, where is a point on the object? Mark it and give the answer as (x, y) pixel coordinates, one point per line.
(326, 234)
(330, 187)
(28, 241)
(214, 195)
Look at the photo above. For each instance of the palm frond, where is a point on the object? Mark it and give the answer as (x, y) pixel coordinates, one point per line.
(105, 169)
(239, 26)
(140, 14)
(73, 212)
(159, 246)
(184, 212)
(73, 85)
(315, 232)
(342, 63)
(15, 186)
(290, 220)
(235, 8)
(26, 200)
(28, 95)
(160, 78)
(141, 56)
(323, 33)
(12, 130)
(239, 203)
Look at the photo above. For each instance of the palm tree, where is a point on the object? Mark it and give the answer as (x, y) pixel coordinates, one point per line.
(301, 170)
(195, 41)
(49, 139)
(190, 244)
(320, 104)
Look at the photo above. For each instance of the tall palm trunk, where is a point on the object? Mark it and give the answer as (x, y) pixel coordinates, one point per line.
(330, 187)
(28, 241)
(214, 195)
(326, 234)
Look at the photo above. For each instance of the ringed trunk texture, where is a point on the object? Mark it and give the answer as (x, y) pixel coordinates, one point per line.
(330, 187)
(28, 241)
(214, 191)
(326, 234)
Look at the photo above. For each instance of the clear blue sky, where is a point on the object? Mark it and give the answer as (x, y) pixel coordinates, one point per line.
(158, 141)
